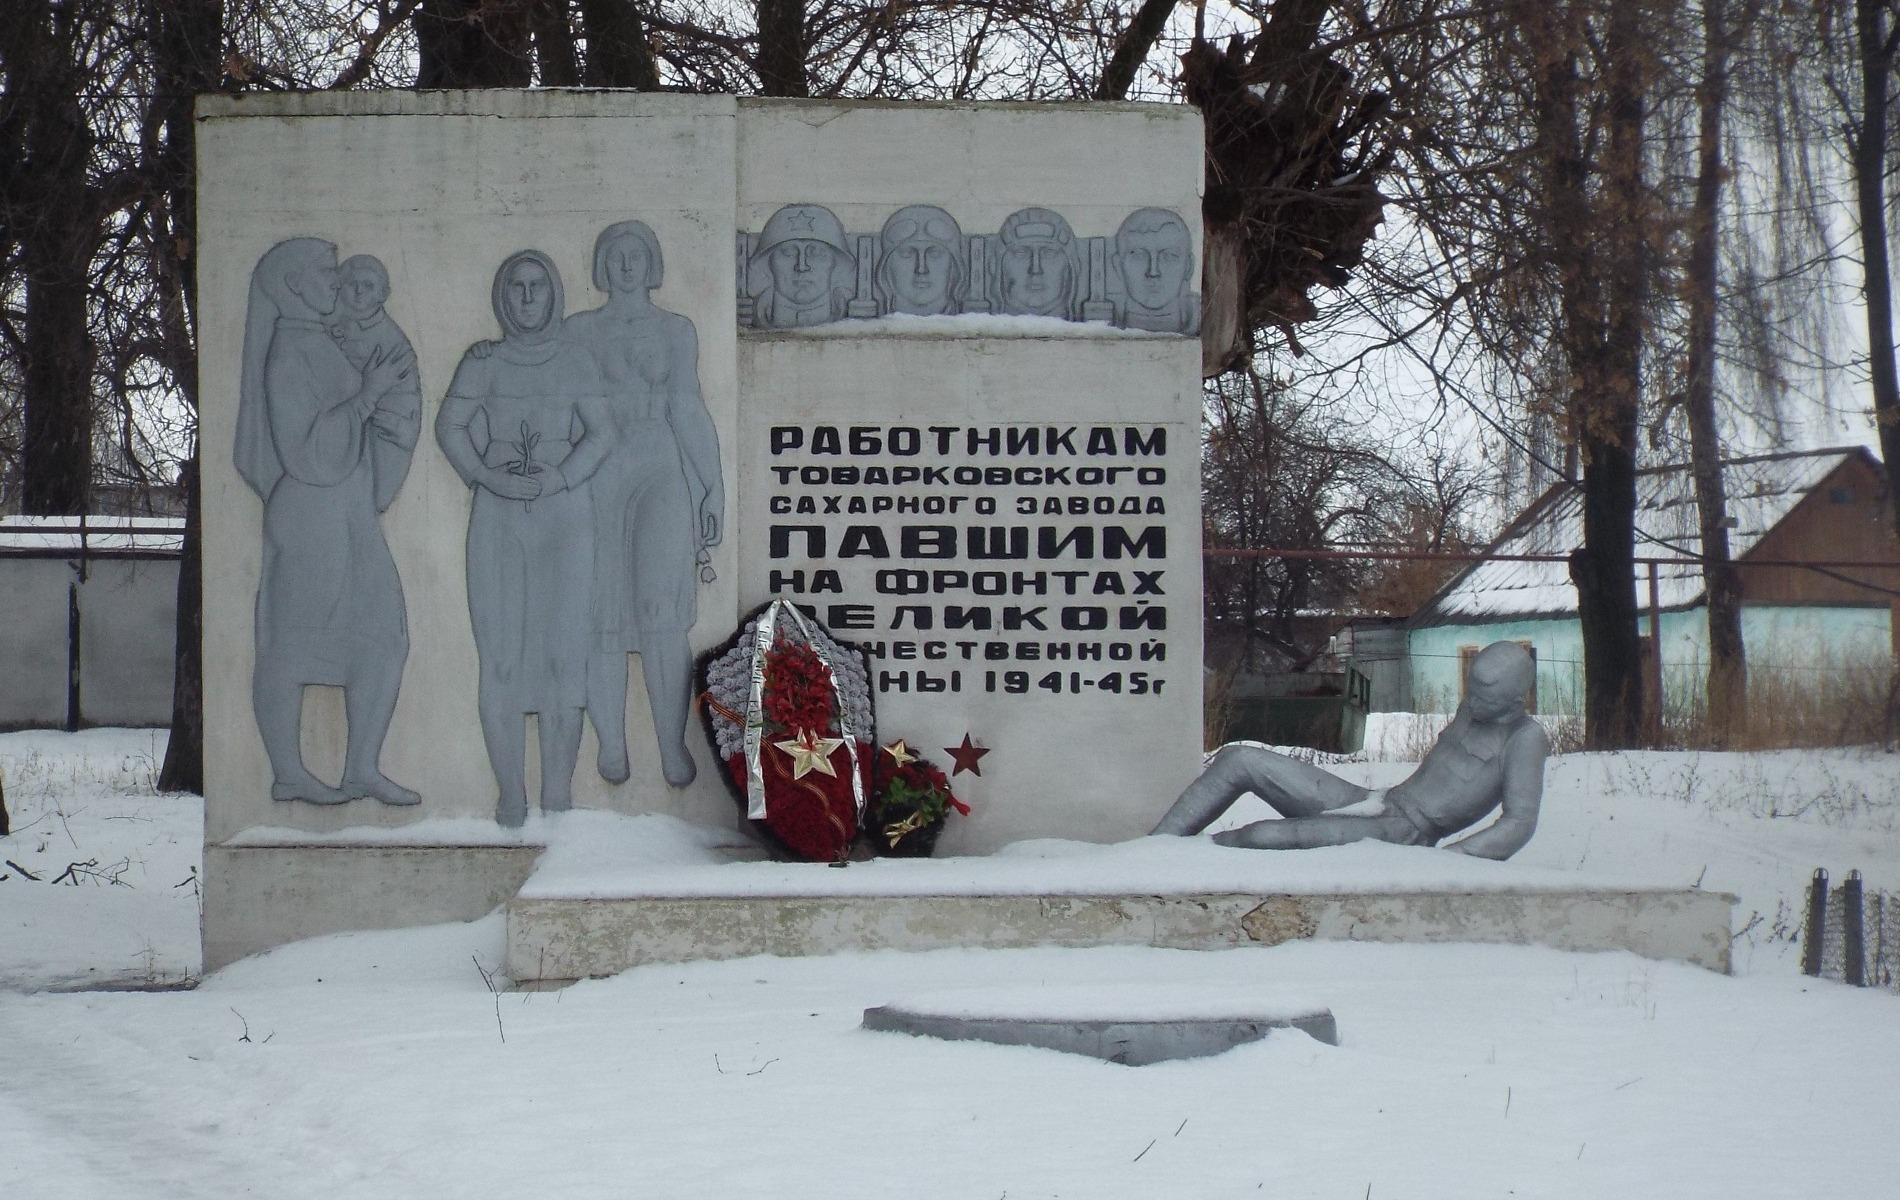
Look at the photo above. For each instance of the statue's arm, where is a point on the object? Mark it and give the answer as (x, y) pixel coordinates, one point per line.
(693, 428)
(452, 423)
(595, 444)
(319, 439)
(1523, 785)
(398, 416)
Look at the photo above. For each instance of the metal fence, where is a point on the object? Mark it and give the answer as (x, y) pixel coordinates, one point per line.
(1853, 934)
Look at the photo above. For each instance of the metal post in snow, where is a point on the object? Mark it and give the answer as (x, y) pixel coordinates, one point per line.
(1853, 932)
(1655, 656)
(1817, 924)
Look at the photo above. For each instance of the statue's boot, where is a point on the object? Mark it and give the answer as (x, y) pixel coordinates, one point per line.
(511, 812)
(309, 789)
(381, 787)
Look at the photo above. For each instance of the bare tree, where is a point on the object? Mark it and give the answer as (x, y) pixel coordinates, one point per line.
(1728, 656)
(1876, 43)
(54, 214)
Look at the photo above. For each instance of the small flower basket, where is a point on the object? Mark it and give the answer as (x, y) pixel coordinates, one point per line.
(789, 710)
(910, 801)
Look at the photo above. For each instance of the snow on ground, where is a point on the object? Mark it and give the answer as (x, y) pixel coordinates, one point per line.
(376, 1067)
(382, 1065)
(115, 902)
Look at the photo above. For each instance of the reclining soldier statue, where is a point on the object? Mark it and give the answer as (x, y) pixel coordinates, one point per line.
(1489, 758)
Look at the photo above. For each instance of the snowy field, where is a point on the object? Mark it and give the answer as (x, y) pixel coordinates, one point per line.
(397, 1065)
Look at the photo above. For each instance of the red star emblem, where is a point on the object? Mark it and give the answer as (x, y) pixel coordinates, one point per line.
(966, 756)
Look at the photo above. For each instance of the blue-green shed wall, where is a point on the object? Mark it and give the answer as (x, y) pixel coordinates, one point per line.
(1805, 642)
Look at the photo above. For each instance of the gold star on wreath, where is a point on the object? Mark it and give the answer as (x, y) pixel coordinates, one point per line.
(811, 753)
(900, 751)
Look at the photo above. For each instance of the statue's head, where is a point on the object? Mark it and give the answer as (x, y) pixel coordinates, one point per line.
(527, 297)
(1040, 270)
(364, 286)
(922, 268)
(1154, 253)
(1502, 676)
(300, 277)
(627, 258)
(802, 260)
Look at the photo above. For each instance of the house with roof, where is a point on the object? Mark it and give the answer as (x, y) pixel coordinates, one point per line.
(1795, 519)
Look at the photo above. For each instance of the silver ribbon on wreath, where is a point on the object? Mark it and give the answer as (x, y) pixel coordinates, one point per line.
(762, 638)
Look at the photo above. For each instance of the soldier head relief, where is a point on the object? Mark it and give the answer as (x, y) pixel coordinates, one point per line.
(803, 270)
(1040, 270)
(921, 270)
(1154, 257)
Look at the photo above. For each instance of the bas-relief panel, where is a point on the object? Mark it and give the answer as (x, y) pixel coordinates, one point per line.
(597, 495)
(328, 413)
(804, 269)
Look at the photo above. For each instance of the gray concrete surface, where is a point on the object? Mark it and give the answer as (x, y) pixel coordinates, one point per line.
(1133, 1043)
(555, 939)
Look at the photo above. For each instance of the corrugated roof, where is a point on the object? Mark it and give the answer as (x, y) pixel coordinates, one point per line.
(100, 534)
(1761, 491)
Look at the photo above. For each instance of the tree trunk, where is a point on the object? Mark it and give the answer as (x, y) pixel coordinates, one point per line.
(782, 50)
(1728, 657)
(57, 230)
(1605, 570)
(184, 768)
(472, 44)
(1132, 48)
(188, 62)
(554, 56)
(617, 51)
(1595, 245)
(1870, 188)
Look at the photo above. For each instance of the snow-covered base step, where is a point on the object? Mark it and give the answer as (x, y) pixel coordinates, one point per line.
(259, 895)
(1133, 1026)
(554, 939)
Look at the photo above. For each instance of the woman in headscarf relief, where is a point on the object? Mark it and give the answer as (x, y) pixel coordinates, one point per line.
(659, 501)
(526, 426)
(329, 602)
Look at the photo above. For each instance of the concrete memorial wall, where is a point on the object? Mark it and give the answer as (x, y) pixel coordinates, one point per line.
(506, 393)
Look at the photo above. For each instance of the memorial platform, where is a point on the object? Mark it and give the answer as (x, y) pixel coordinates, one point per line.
(599, 904)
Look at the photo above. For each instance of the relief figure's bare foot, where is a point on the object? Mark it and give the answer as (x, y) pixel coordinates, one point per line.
(613, 764)
(381, 787)
(677, 764)
(308, 789)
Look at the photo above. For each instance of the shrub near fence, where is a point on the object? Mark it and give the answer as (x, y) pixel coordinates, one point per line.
(1853, 935)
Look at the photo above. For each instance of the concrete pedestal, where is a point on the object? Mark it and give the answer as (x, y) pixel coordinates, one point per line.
(553, 939)
(259, 896)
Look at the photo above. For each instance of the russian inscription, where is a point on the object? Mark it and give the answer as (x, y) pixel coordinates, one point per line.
(973, 552)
